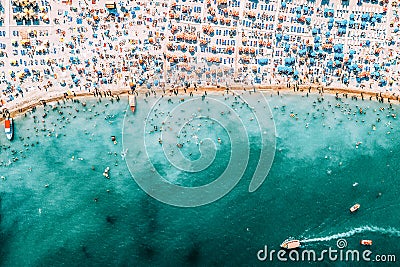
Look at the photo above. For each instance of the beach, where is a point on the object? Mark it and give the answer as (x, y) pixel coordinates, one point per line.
(20, 107)
(77, 47)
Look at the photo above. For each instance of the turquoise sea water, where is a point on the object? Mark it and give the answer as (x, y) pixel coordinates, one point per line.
(307, 194)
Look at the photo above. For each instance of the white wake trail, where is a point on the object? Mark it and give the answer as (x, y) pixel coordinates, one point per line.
(372, 229)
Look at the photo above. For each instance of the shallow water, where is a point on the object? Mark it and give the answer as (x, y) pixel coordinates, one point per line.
(307, 193)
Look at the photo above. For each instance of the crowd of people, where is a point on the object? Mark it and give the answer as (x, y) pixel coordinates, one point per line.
(71, 45)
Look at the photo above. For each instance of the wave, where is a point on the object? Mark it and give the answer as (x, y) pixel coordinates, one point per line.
(358, 230)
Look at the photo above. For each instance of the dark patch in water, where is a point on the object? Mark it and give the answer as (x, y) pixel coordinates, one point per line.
(193, 255)
(111, 219)
(85, 252)
(146, 251)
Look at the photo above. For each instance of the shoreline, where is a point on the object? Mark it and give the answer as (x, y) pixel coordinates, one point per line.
(19, 108)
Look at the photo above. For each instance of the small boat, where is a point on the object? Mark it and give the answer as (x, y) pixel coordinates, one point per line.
(355, 207)
(290, 244)
(106, 173)
(8, 128)
(132, 102)
(366, 242)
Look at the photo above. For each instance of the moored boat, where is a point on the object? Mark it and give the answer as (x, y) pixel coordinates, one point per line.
(8, 128)
(132, 102)
(355, 207)
(366, 242)
(291, 244)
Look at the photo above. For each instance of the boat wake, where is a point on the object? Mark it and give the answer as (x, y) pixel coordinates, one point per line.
(372, 229)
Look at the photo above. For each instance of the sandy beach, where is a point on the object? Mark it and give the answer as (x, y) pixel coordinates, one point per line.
(78, 48)
(26, 104)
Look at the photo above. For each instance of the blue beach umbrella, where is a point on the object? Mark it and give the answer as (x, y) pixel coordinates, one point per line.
(296, 75)
(314, 31)
(363, 24)
(263, 61)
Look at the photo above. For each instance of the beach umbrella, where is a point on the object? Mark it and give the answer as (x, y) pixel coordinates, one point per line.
(364, 16)
(363, 24)
(352, 16)
(308, 20)
(156, 82)
(287, 47)
(327, 34)
(314, 31)
(302, 52)
(263, 61)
